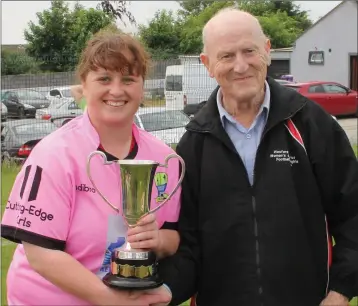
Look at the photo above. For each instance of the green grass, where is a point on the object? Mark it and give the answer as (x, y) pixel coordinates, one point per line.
(8, 174)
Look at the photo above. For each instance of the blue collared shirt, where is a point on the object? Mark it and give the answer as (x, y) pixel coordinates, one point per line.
(246, 141)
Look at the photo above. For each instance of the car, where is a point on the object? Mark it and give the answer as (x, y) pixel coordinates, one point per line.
(27, 96)
(167, 125)
(59, 108)
(282, 82)
(62, 93)
(19, 137)
(335, 98)
(3, 112)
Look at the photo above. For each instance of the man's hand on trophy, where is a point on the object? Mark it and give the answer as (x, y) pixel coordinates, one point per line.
(146, 234)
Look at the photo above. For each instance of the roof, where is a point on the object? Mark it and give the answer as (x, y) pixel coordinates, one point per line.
(325, 16)
(18, 122)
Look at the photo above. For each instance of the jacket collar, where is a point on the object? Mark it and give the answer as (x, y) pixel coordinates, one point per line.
(284, 103)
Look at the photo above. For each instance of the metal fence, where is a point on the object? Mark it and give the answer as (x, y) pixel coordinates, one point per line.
(36, 104)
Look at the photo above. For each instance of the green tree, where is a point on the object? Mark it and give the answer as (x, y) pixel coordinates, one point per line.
(280, 28)
(193, 7)
(61, 34)
(13, 62)
(264, 7)
(162, 35)
(191, 34)
(118, 9)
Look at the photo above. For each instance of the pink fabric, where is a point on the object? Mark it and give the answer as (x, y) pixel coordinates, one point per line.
(76, 215)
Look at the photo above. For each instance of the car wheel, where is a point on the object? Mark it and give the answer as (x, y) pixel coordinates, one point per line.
(66, 121)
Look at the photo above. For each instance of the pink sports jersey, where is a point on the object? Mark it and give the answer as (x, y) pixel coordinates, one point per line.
(54, 205)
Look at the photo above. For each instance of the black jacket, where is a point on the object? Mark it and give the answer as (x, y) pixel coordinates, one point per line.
(268, 244)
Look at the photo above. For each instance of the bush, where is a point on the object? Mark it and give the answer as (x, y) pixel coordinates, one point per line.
(17, 63)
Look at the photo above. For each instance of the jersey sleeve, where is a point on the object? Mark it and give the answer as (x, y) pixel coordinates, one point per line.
(38, 208)
(165, 182)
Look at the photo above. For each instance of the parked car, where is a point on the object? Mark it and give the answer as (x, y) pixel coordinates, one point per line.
(17, 109)
(283, 82)
(3, 112)
(335, 98)
(60, 93)
(60, 108)
(167, 125)
(19, 137)
(23, 103)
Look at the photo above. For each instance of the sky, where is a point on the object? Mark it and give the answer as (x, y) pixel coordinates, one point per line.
(17, 14)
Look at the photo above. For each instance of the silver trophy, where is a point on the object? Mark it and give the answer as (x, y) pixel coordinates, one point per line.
(131, 268)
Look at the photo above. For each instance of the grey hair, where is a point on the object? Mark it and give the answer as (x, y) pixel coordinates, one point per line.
(234, 8)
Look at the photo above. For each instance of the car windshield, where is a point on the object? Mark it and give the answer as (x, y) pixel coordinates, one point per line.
(163, 120)
(35, 129)
(66, 93)
(30, 95)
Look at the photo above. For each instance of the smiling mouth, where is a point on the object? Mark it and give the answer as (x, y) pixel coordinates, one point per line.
(242, 79)
(115, 103)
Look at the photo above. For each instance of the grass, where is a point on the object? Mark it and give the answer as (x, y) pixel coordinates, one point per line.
(8, 174)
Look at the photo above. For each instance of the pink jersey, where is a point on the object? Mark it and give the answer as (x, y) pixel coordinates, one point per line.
(54, 205)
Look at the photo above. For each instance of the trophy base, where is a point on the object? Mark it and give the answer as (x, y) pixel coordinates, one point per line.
(122, 283)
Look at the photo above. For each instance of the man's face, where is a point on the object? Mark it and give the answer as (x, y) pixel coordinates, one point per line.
(237, 58)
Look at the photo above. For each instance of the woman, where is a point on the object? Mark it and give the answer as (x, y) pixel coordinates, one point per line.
(66, 229)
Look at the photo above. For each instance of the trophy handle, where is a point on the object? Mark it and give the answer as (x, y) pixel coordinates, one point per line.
(88, 166)
(170, 156)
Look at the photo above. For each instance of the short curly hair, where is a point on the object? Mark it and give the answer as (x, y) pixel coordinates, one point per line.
(109, 50)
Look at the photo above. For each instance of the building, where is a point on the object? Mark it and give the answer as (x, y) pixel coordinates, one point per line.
(280, 61)
(328, 50)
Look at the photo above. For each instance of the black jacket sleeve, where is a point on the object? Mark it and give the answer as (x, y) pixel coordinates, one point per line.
(336, 169)
(180, 271)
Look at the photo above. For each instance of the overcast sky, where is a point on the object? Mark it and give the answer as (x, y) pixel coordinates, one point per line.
(17, 14)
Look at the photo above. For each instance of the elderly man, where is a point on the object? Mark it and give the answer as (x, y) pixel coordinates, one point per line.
(270, 179)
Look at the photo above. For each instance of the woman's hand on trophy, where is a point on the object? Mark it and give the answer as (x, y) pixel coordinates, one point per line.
(146, 234)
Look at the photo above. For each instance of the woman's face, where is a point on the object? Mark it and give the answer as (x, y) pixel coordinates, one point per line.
(112, 97)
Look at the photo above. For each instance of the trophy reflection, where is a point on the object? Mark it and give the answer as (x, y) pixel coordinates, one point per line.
(133, 268)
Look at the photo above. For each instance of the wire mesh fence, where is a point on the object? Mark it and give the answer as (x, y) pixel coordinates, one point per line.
(34, 105)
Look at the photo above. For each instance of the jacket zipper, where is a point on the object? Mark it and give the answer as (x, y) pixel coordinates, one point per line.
(256, 231)
(253, 202)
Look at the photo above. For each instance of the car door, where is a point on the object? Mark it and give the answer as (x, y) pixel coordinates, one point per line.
(316, 93)
(12, 103)
(340, 100)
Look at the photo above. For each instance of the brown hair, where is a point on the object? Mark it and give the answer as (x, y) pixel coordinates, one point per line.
(109, 50)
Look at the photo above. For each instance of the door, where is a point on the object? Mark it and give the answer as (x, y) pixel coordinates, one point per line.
(174, 96)
(340, 99)
(318, 94)
(278, 68)
(12, 103)
(354, 72)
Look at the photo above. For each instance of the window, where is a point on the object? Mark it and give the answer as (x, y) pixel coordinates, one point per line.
(334, 89)
(30, 95)
(54, 93)
(163, 120)
(174, 83)
(316, 89)
(66, 93)
(73, 105)
(316, 58)
(35, 130)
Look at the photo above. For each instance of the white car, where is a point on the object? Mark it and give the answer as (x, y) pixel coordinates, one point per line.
(58, 109)
(60, 93)
(167, 125)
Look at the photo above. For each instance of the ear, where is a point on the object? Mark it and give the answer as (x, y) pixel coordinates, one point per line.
(268, 46)
(205, 60)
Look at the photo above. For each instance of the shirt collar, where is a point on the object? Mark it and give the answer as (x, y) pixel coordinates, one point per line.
(264, 107)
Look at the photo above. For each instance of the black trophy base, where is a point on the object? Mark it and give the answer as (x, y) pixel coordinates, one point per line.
(123, 283)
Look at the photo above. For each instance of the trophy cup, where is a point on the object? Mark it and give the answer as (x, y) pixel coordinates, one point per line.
(132, 268)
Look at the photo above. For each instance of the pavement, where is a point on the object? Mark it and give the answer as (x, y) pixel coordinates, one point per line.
(350, 125)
